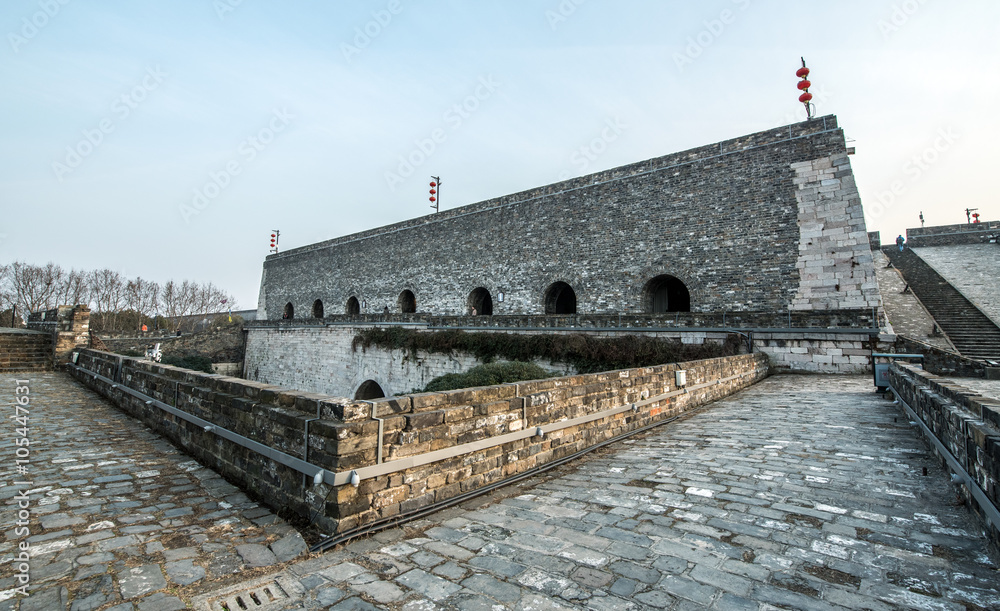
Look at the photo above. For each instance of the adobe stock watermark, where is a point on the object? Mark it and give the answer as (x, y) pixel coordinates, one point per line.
(562, 12)
(914, 169)
(31, 26)
(224, 7)
(900, 15)
(246, 152)
(364, 35)
(121, 107)
(589, 153)
(713, 30)
(454, 118)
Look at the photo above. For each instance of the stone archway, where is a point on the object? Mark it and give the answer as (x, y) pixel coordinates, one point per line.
(481, 300)
(368, 390)
(289, 312)
(353, 308)
(317, 309)
(665, 293)
(407, 302)
(560, 298)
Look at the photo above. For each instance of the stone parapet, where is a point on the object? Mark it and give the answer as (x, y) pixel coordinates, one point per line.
(965, 423)
(340, 435)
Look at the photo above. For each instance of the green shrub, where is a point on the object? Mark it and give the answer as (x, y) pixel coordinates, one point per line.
(194, 362)
(488, 375)
(586, 353)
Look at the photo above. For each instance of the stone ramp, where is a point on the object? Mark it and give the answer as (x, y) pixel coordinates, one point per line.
(968, 329)
(119, 516)
(803, 492)
(973, 269)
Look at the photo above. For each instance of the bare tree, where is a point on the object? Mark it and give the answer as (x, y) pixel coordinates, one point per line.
(142, 296)
(74, 289)
(35, 288)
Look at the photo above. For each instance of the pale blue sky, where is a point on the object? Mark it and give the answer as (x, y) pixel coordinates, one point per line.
(304, 132)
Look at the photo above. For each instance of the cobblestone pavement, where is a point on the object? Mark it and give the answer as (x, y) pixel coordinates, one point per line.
(803, 492)
(906, 314)
(119, 517)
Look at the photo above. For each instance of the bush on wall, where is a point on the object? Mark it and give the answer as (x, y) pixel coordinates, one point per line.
(586, 353)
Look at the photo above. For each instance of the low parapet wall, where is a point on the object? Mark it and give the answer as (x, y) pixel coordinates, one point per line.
(966, 424)
(402, 453)
(942, 362)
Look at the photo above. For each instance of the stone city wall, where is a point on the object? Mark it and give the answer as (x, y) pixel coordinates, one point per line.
(767, 222)
(318, 356)
(69, 326)
(344, 435)
(967, 424)
(948, 235)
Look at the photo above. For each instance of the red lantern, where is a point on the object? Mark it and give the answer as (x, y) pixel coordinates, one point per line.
(804, 84)
(433, 191)
(433, 184)
(433, 199)
(805, 97)
(802, 72)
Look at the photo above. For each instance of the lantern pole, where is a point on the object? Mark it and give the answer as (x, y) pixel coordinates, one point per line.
(804, 85)
(436, 193)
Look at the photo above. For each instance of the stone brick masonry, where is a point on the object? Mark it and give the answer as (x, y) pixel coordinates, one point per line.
(765, 222)
(343, 435)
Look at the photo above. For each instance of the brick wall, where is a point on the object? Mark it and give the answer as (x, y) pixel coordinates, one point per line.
(344, 435)
(967, 424)
(69, 326)
(317, 356)
(947, 235)
(765, 222)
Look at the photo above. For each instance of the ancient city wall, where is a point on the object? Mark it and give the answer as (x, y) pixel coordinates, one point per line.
(317, 354)
(948, 235)
(69, 326)
(404, 452)
(767, 222)
(967, 424)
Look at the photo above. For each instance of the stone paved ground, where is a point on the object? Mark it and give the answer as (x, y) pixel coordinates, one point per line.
(970, 268)
(118, 515)
(906, 314)
(804, 492)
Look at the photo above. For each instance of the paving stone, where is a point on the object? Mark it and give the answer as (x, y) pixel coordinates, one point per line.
(184, 572)
(49, 599)
(93, 593)
(135, 582)
(431, 586)
(255, 555)
(289, 547)
(499, 590)
(161, 602)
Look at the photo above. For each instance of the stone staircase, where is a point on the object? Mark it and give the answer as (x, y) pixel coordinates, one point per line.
(24, 350)
(972, 333)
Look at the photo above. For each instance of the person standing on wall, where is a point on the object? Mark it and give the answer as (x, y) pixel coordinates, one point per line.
(900, 241)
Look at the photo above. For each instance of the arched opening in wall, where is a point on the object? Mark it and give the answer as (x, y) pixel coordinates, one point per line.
(480, 302)
(369, 389)
(317, 309)
(289, 311)
(407, 302)
(665, 293)
(560, 299)
(353, 307)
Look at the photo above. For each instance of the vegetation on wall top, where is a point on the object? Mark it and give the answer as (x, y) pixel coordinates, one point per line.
(586, 353)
